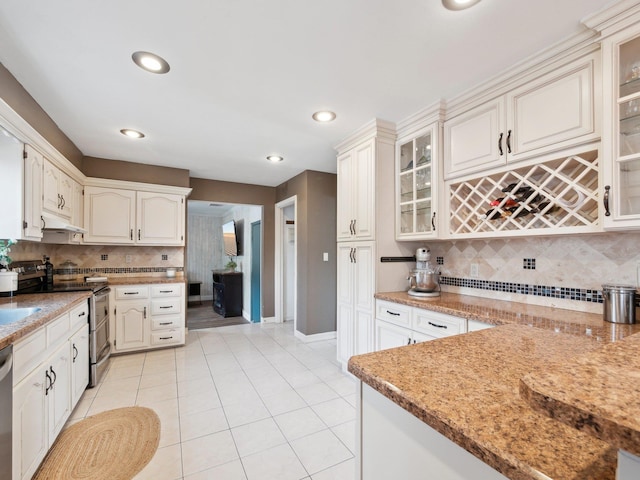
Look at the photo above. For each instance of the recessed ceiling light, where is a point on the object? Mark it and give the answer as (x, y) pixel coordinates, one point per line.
(150, 62)
(324, 116)
(132, 133)
(275, 158)
(458, 4)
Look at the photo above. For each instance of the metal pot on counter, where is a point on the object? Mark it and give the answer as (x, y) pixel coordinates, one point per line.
(620, 303)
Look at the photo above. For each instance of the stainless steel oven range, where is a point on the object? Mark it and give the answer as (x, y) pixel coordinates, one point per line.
(32, 279)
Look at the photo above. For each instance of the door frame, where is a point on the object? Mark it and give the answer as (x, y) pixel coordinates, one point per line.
(279, 258)
(256, 287)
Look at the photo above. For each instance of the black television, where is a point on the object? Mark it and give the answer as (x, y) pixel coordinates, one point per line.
(232, 237)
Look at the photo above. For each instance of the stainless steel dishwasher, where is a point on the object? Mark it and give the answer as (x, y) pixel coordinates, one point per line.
(6, 410)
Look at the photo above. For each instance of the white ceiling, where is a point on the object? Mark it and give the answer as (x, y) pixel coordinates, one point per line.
(247, 75)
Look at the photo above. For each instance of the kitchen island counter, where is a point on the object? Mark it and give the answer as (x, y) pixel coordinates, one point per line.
(466, 387)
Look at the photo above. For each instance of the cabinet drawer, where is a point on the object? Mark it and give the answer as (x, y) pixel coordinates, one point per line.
(79, 316)
(166, 322)
(124, 293)
(58, 329)
(437, 324)
(169, 290)
(28, 353)
(168, 306)
(167, 337)
(393, 313)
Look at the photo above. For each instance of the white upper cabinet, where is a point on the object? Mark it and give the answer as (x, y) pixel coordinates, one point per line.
(160, 218)
(33, 170)
(621, 134)
(549, 113)
(417, 184)
(58, 190)
(119, 216)
(355, 193)
(109, 215)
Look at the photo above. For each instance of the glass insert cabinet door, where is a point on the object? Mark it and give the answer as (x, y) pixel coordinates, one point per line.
(626, 194)
(415, 196)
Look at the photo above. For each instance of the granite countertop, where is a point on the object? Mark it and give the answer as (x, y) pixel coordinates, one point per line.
(596, 393)
(500, 312)
(467, 388)
(52, 305)
(133, 280)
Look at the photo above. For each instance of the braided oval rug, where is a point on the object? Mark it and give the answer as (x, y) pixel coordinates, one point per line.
(112, 445)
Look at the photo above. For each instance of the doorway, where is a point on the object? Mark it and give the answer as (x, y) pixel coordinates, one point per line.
(286, 261)
(256, 256)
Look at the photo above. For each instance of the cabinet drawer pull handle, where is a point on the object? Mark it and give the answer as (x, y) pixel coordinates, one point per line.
(47, 384)
(509, 141)
(500, 144)
(82, 314)
(43, 222)
(131, 234)
(145, 312)
(138, 234)
(351, 227)
(132, 293)
(437, 326)
(59, 201)
(64, 202)
(166, 338)
(409, 341)
(166, 291)
(75, 353)
(396, 314)
(355, 220)
(433, 221)
(607, 188)
(166, 323)
(168, 306)
(55, 377)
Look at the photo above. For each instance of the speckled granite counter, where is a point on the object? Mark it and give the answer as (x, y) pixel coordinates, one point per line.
(133, 280)
(52, 305)
(598, 393)
(497, 312)
(466, 388)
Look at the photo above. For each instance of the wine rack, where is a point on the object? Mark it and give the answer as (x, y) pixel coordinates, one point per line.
(559, 196)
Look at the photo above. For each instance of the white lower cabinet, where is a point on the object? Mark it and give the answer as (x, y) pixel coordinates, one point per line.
(51, 370)
(395, 444)
(149, 316)
(355, 310)
(397, 325)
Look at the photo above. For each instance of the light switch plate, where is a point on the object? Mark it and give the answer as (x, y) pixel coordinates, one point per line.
(473, 271)
(325, 257)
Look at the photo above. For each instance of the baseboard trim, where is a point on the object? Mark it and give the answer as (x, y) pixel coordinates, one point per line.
(316, 337)
(269, 320)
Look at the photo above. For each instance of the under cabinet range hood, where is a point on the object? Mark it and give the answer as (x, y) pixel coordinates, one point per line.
(50, 222)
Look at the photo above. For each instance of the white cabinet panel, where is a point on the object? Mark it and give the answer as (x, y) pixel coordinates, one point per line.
(132, 326)
(59, 394)
(79, 344)
(160, 219)
(33, 172)
(389, 335)
(109, 215)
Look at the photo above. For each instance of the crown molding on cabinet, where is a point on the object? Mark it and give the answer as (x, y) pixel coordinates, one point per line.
(581, 44)
(614, 17)
(23, 131)
(138, 186)
(376, 128)
(421, 118)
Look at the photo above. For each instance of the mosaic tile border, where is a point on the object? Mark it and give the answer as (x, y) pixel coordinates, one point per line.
(79, 271)
(580, 294)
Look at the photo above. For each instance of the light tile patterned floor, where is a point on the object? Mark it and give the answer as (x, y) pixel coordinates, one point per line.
(245, 402)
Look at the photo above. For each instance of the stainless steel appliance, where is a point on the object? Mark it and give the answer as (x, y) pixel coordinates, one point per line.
(99, 345)
(32, 279)
(424, 278)
(6, 400)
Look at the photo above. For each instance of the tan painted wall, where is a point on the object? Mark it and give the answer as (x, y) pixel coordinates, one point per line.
(134, 172)
(316, 234)
(229, 192)
(14, 94)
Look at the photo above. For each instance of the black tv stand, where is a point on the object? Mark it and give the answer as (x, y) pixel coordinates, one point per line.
(227, 293)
